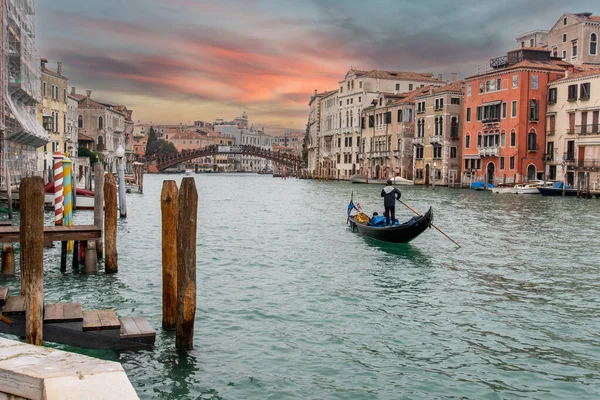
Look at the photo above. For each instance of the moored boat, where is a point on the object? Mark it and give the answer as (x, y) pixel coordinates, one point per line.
(504, 189)
(557, 190)
(362, 178)
(481, 186)
(398, 180)
(530, 187)
(85, 198)
(397, 233)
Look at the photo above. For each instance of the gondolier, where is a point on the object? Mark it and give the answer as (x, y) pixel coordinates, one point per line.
(390, 194)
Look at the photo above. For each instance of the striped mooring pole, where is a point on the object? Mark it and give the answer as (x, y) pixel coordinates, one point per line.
(58, 188)
(68, 208)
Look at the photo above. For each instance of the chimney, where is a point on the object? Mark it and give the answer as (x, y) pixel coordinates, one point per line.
(315, 92)
(59, 68)
(430, 89)
(73, 91)
(43, 62)
(89, 93)
(453, 76)
(440, 77)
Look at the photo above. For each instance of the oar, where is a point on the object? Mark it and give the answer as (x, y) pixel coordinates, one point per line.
(441, 231)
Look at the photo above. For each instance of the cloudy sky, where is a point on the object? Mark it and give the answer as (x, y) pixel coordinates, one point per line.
(182, 60)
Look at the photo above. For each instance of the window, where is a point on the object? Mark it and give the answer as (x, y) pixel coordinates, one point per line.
(439, 104)
(502, 139)
(100, 123)
(397, 86)
(452, 152)
(455, 101)
(515, 81)
(399, 115)
(469, 90)
(552, 93)
(501, 162)
(341, 89)
(467, 141)
(454, 127)
(360, 84)
(574, 50)
(503, 110)
(513, 139)
(584, 91)
(523, 44)
(564, 38)
(409, 115)
(388, 117)
(498, 84)
(491, 113)
(381, 101)
(513, 111)
(65, 95)
(80, 122)
(468, 114)
(554, 52)
(490, 86)
(564, 20)
(352, 101)
(45, 89)
(535, 82)
(534, 110)
(359, 99)
(593, 44)
(531, 43)
(437, 152)
(481, 87)
(478, 140)
(410, 87)
(418, 152)
(572, 93)
(564, 56)
(512, 162)
(479, 113)
(531, 141)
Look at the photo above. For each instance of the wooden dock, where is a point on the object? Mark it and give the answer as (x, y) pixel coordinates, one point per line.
(11, 234)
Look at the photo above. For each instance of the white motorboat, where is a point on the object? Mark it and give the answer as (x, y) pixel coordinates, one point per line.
(398, 180)
(505, 190)
(530, 187)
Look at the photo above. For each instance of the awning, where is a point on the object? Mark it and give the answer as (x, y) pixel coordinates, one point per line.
(31, 132)
(492, 103)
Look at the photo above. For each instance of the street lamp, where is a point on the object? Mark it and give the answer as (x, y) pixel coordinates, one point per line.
(121, 174)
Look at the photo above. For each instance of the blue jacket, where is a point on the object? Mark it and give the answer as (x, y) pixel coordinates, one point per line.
(388, 193)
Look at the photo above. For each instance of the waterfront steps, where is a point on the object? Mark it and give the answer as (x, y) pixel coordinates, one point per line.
(67, 323)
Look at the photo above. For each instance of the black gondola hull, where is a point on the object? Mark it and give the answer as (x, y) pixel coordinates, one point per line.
(403, 233)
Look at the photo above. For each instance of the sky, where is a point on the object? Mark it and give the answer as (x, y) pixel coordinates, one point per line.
(175, 61)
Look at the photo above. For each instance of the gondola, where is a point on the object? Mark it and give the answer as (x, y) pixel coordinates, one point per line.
(401, 233)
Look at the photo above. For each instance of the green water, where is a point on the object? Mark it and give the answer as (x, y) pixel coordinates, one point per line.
(293, 305)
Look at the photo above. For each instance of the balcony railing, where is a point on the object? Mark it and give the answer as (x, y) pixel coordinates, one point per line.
(437, 139)
(589, 129)
(490, 120)
(594, 163)
(418, 141)
(489, 151)
(533, 147)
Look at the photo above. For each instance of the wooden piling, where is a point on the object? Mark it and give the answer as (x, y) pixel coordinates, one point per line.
(169, 204)
(90, 264)
(76, 254)
(31, 195)
(63, 256)
(8, 259)
(110, 224)
(98, 203)
(186, 264)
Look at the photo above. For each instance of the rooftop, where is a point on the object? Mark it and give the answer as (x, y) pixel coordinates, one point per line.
(395, 75)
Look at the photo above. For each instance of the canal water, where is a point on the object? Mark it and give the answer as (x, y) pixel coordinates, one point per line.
(293, 305)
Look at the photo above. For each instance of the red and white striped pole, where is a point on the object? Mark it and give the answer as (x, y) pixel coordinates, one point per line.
(58, 188)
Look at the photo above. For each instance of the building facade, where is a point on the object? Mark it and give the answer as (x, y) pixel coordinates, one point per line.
(438, 123)
(314, 129)
(573, 129)
(537, 38)
(575, 38)
(329, 126)
(504, 136)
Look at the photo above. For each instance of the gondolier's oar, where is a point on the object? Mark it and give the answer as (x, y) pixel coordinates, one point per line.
(441, 231)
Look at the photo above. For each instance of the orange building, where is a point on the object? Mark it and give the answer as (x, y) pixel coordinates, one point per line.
(504, 137)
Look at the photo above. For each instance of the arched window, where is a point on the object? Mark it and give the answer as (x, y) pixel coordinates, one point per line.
(100, 123)
(347, 119)
(513, 139)
(80, 122)
(100, 143)
(454, 127)
(440, 130)
(467, 141)
(478, 140)
(351, 119)
(593, 44)
(435, 127)
(531, 141)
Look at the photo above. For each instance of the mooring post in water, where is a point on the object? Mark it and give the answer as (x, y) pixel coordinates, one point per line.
(76, 254)
(90, 264)
(122, 185)
(169, 204)
(8, 259)
(99, 204)
(110, 224)
(31, 195)
(187, 216)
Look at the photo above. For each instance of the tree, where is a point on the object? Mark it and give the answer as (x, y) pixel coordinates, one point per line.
(85, 152)
(160, 147)
(151, 139)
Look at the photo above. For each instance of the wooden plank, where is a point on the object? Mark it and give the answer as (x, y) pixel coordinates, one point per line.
(91, 320)
(5, 223)
(53, 312)
(72, 312)
(15, 305)
(144, 326)
(3, 294)
(129, 328)
(11, 234)
(109, 319)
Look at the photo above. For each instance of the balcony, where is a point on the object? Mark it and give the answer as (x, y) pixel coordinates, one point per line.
(418, 141)
(437, 139)
(589, 129)
(489, 151)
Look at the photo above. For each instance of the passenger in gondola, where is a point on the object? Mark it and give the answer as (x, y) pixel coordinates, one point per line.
(390, 194)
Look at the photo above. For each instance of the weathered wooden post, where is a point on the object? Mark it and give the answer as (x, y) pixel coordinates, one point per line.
(99, 204)
(169, 204)
(186, 264)
(8, 259)
(110, 224)
(31, 195)
(90, 264)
